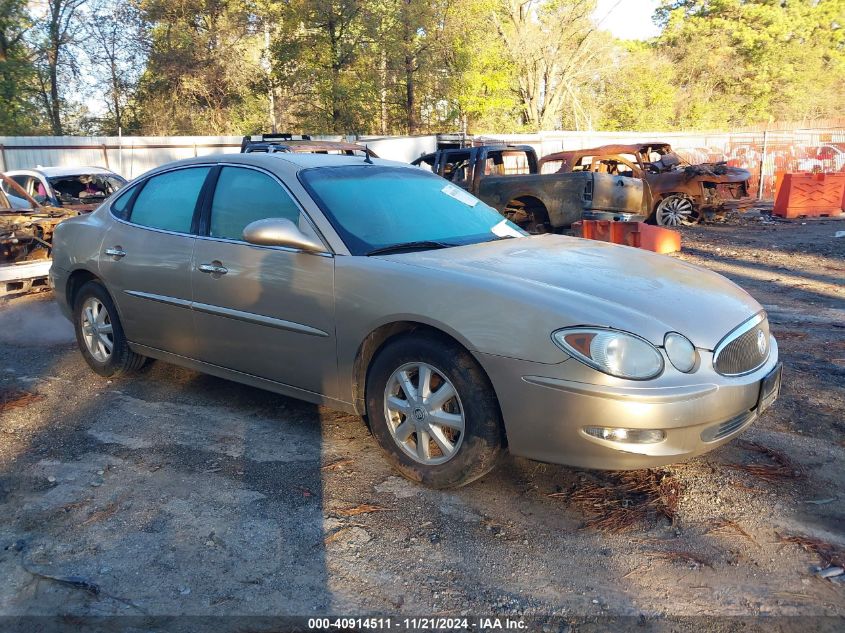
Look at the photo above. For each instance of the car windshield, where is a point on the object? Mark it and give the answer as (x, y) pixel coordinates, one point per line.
(374, 206)
(85, 188)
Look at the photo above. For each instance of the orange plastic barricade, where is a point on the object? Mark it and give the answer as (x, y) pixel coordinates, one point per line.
(637, 234)
(810, 195)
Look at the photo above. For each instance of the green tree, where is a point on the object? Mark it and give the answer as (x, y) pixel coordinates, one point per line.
(18, 115)
(554, 50)
(114, 40)
(638, 92)
(746, 61)
(203, 75)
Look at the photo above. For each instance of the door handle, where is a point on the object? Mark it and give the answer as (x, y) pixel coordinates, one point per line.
(214, 268)
(116, 252)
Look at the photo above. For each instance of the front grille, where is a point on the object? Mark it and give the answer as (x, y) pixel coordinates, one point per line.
(745, 349)
(719, 431)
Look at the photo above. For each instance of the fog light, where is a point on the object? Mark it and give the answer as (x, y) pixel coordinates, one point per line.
(627, 436)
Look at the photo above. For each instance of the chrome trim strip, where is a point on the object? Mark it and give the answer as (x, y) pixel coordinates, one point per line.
(239, 315)
(739, 424)
(258, 319)
(645, 395)
(734, 334)
(174, 301)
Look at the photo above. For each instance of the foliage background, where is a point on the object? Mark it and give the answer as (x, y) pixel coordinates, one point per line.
(164, 67)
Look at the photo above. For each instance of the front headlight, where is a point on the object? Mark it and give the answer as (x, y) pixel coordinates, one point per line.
(680, 351)
(616, 353)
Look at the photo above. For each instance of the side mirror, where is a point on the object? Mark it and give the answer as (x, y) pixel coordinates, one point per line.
(280, 232)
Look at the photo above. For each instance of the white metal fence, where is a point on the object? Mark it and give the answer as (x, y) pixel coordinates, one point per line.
(764, 154)
(131, 156)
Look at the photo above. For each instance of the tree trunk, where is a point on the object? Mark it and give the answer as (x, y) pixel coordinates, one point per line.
(411, 96)
(383, 93)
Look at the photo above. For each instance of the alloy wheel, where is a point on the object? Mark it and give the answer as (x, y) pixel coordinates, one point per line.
(97, 330)
(424, 413)
(675, 211)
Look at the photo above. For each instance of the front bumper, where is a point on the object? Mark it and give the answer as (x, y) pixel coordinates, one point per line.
(546, 408)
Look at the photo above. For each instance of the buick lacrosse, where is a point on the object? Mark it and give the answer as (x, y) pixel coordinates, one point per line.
(382, 290)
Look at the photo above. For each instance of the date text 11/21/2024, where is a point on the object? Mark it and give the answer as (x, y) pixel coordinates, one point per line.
(418, 624)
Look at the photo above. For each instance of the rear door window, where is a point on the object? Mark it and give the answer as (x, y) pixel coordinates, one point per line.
(168, 201)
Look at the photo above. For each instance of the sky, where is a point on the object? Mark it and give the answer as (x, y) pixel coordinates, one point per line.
(627, 19)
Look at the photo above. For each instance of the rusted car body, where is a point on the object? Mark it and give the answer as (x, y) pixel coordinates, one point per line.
(506, 177)
(26, 237)
(676, 193)
(81, 189)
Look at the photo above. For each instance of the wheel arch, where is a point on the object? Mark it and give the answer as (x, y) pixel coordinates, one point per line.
(378, 338)
(530, 200)
(75, 281)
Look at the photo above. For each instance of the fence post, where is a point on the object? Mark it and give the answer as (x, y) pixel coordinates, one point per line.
(762, 165)
(106, 155)
(3, 156)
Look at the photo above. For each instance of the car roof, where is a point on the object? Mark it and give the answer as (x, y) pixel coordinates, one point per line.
(57, 172)
(288, 163)
(632, 148)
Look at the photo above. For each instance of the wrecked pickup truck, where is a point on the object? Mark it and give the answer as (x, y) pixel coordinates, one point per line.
(675, 193)
(506, 177)
(25, 240)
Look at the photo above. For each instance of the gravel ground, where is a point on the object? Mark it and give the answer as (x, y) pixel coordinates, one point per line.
(178, 493)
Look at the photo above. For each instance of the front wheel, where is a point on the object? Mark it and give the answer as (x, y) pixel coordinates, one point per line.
(99, 333)
(676, 210)
(433, 411)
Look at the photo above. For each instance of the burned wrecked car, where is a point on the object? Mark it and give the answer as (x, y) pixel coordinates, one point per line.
(25, 239)
(77, 188)
(676, 192)
(507, 178)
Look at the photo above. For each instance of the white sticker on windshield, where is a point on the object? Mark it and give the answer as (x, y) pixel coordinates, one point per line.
(460, 195)
(504, 229)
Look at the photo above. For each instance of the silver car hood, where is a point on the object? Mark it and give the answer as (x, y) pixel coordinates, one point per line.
(597, 283)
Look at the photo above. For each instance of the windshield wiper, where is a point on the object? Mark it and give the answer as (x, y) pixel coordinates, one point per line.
(408, 246)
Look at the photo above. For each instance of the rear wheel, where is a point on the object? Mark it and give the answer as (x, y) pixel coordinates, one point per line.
(676, 210)
(432, 410)
(99, 333)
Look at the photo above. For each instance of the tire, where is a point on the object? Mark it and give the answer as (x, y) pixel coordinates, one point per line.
(94, 304)
(676, 210)
(476, 449)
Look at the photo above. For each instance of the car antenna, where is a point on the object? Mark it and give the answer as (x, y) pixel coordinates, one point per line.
(367, 158)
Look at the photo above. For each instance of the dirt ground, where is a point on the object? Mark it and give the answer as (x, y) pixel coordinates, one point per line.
(177, 493)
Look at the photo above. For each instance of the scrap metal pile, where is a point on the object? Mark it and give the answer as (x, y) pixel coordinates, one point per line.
(25, 241)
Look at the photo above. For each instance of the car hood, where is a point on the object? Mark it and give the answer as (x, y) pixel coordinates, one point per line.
(596, 283)
(715, 172)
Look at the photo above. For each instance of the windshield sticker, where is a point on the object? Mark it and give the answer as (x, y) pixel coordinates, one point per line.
(505, 229)
(460, 195)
